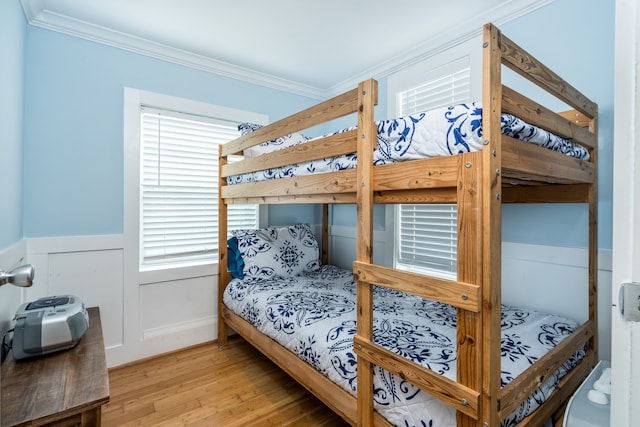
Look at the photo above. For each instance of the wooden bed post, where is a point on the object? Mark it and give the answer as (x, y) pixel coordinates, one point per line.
(223, 272)
(324, 258)
(593, 239)
(367, 140)
(491, 236)
(470, 246)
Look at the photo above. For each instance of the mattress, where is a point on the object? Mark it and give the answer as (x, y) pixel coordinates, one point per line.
(441, 132)
(313, 315)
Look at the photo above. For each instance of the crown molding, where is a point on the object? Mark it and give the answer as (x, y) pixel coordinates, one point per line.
(40, 17)
(37, 15)
(454, 36)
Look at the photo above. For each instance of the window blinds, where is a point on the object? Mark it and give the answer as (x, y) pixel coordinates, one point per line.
(427, 237)
(427, 233)
(179, 187)
(446, 90)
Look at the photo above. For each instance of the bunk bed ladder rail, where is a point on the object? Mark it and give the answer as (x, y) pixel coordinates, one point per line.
(366, 143)
(477, 394)
(464, 293)
(465, 296)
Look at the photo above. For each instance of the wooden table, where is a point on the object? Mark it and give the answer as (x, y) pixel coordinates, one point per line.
(67, 388)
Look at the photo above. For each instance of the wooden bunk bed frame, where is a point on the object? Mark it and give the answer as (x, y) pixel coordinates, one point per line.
(504, 171)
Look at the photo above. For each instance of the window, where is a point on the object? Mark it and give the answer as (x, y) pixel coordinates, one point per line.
(426, 238)
(163, 191)
(445, 90)
(426, 234)
(179, 187)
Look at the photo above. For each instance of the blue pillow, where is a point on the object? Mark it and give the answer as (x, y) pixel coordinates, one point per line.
(234, 259)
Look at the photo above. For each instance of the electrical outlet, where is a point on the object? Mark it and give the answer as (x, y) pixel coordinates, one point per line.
(629, 301)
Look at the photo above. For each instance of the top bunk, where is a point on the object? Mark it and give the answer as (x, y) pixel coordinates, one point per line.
(557, 166)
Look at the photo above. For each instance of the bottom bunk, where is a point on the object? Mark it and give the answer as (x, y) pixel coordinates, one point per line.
(310, 312)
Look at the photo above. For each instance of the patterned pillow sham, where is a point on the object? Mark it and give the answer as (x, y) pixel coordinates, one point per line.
(277, 251)
(269, 146)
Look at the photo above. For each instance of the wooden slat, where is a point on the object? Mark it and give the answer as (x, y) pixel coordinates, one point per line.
(533, 377)
(330, 109)
(492, 158)
(324, 257)
(457, 294)
(570, 193)
(469, 268)
(520, 61)
(593, 242)
(538, 115)
(462, 398)
(416, 174)
(576, 117)
(223, 272)
(335, 198)
(322, 183)
(433, 195)
(511, 181)
(333, 145)
(367, 141)
(530, 162)
(565, 389)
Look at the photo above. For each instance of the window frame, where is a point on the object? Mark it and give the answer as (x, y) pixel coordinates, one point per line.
(436, 66)
(134, 100)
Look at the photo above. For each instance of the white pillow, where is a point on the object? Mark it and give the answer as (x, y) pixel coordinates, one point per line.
(278, 251)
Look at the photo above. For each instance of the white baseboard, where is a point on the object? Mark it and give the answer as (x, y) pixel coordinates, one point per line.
(179, 328)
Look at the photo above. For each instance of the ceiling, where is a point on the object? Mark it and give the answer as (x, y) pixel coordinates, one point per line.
(314, 48)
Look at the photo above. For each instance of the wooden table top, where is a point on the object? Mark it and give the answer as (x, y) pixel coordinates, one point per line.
(56, 385)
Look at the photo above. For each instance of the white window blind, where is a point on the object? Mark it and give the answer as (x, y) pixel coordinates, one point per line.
(427, 237)
(427, 233)
(179, 187)
(446, 90)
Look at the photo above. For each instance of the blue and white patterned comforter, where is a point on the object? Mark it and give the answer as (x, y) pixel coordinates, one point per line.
(441, 132)
(313, 315)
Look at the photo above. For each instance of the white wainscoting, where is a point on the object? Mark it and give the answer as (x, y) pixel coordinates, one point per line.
(157, 312)
(89, 267)
(553, 279)
(342, 245)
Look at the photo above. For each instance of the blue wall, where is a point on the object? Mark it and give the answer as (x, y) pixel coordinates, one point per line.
(577, 42)
(12, 48)
(73, 169)
(74, 126)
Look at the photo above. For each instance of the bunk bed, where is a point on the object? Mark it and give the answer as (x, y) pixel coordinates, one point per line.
(500, 170)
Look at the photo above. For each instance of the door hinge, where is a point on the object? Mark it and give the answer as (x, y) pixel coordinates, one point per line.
(629, 301)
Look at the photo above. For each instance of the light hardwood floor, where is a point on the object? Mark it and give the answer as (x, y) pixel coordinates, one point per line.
(209, 386)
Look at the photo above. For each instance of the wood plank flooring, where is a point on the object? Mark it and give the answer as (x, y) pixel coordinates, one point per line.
(209, 386)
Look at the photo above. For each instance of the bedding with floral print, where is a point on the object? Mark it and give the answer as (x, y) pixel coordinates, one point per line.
(278, 251)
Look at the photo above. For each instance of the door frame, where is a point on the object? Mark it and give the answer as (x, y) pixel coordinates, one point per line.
(626, 213)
